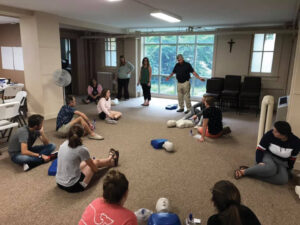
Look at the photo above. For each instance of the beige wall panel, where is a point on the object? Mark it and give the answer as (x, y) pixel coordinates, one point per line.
(235, 62)
(29, 39)
(50, 60)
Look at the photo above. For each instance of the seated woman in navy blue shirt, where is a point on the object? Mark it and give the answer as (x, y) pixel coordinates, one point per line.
(275, 155)
(227, 199)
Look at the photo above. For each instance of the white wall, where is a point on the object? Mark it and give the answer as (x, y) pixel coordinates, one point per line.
(238, 61)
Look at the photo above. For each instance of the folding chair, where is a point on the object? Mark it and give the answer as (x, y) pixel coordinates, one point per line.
(8, 114)
(21, 98)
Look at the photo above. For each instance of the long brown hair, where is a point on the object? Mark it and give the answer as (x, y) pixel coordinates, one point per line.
(227, 199)
(148, 62)
(103, 93)
(74, 136)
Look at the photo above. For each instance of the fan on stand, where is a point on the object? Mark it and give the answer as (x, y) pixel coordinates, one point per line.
(62, 78)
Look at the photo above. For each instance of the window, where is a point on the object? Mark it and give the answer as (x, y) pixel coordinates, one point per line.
(263, 52)
(162, 50)
(110, 52)
(12, 58)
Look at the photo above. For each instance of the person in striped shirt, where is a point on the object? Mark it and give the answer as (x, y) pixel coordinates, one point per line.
(275, 155)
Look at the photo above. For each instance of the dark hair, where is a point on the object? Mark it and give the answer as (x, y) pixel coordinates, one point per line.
(122, 57)
(227, 199)
(115, 186)
(103, 93)
(210, 100)
(69, 98)
(35, 120)
(91, 81)
(283, 128)
(74, 135)
(148, 64)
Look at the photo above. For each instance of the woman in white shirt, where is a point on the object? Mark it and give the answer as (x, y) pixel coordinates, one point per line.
(104, 108)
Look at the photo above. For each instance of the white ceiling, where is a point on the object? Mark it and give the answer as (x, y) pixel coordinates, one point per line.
(5, 20)
(135, 13)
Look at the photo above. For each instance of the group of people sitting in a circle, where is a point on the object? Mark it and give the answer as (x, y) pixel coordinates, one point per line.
(275, 155)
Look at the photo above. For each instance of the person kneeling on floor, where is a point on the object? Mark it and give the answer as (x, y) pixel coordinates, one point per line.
(275, 155)
(21, 149)
(212, 121)
(109, 209)
(68, 116)
(75, 168)
(104, 108)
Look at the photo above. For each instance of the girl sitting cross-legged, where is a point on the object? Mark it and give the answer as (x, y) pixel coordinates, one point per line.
(104, 108)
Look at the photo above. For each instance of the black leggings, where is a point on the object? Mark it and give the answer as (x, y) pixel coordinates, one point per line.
(123, 84)
(146, 91)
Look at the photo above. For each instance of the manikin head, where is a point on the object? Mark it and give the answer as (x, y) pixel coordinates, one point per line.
(162, 205)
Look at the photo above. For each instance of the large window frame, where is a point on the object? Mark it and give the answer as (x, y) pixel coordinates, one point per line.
(194, 43)
(259, 54)
(110, 52)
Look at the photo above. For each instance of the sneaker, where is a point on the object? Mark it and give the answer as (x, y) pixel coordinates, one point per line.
(96, 137)
(187, 111)
(180, 110)
(53, 156)
(226, 130)
(85, 101)
(26, 167)
(110, 121)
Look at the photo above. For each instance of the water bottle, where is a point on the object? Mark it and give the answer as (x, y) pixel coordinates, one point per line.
(94, 124)
(189, 220)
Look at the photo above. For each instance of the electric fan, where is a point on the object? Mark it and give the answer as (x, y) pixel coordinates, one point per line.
(62, 78)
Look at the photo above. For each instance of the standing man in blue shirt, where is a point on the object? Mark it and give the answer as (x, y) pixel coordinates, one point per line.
(182, 70)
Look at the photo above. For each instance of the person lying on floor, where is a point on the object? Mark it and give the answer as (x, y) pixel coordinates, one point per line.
(109, 209)
(275, 155)
(68, 116)
(212, 121)
(94, 91)
(227, 200)
(104, 108)
(21, 149)
(75, 168)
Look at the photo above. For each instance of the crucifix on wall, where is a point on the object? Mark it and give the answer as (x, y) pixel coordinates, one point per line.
(231, 42)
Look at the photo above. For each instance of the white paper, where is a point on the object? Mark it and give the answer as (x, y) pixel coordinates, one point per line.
(7, 58)
(18, 58)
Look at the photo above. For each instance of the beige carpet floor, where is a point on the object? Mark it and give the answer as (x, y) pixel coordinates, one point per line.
(185, 177)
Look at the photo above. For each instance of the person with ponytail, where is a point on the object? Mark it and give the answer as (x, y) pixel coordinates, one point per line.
(75, 168)
(227, 200)
(109, 209)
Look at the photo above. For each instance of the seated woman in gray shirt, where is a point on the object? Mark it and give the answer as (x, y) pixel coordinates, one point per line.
(75, 167)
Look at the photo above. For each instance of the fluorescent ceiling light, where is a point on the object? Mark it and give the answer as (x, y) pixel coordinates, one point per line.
(167, 17)
(114, 0)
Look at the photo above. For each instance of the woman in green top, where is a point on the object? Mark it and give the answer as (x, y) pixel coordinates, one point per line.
(145, 80)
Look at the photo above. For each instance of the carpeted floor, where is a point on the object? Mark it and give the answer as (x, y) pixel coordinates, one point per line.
(185, 177)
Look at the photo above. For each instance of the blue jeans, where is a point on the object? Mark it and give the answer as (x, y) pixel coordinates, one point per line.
(33, 161)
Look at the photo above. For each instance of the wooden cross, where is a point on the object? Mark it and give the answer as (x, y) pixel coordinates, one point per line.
(231, 42)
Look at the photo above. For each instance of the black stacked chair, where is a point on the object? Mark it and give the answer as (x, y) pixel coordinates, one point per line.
(214, 88)
(230, 94)
(250, 93)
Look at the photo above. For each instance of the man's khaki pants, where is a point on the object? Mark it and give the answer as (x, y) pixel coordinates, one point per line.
(183, 90)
